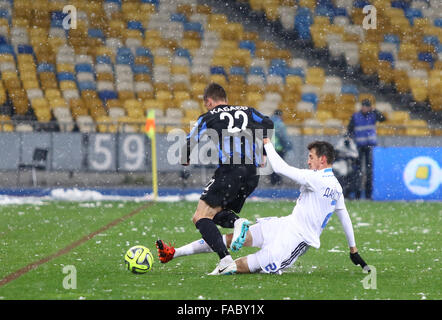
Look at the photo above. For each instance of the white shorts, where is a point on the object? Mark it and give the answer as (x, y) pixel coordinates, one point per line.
(280, 246)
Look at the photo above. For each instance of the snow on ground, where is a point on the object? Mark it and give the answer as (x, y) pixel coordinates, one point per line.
(93, 195)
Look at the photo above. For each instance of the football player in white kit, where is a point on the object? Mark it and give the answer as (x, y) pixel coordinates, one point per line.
(284, 239)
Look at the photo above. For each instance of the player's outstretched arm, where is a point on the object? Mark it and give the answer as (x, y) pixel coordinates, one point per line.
(281, 167)
(344, 218)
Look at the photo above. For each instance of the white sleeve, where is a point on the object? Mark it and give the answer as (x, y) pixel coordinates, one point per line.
(344, 217)
(281, 167)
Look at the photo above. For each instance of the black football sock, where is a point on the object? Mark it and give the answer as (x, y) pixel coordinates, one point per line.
(225, 218)
(212, 236)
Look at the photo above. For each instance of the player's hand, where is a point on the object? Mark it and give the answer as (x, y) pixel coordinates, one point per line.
(266, 140)
(264, 161)
(357, 260)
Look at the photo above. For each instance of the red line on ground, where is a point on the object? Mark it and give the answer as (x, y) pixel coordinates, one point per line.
(33, 265)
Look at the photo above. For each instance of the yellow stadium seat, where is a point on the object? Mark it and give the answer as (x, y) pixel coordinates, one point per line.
(407, 51)
(38, 103)
(132, 104)
(386, 129)
(136, 113)
(419, 89)
(57, 102)
(154, 104)
(5, 123)
(315, 76)
(311, 4)
(399, 117)
(312, 126)
(401, 80)
(106, 124)
(43, 114)
(323, 115)
(293, 82)
(417, 128)
(253, 98)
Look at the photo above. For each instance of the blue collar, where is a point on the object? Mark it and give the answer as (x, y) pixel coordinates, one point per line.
(328, 170)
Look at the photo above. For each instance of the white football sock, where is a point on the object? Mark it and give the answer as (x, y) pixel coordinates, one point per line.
(198, 246)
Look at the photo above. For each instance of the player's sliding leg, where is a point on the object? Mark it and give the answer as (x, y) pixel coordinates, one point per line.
(167, 252)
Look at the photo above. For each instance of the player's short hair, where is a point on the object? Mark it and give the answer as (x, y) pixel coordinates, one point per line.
(323, 148)
(215, 92)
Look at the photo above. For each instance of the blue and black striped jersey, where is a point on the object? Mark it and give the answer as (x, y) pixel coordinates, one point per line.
(236, 132)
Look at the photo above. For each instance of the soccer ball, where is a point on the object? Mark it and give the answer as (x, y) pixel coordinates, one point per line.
(138, 259)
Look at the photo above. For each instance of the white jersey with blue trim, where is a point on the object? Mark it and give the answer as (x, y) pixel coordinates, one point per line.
(321, 196)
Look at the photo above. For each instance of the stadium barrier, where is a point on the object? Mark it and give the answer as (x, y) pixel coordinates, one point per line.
(130, 152)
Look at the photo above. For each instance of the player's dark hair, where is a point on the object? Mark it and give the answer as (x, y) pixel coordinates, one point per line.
(215, 92)
(323, 148)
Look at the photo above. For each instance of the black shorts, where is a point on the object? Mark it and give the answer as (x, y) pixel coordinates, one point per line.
(230, 186)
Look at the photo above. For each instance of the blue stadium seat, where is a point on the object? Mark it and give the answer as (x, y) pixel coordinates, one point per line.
(310, 97)
(238, 71)
(249, 45)
(360, 4)
(25, 49)
(143, 52)
(124, 56)
(3, 40)
(182, 52)
(57, 19)
(433, 40)
(278, 63)
(426, 57)
(5, 14)
(140, 69)
(105, 95)
(257, 71)
(326, 11)
(86, 85)
(340, 12)
(392, 38)
(103, 59)
(7, 49)
(65, 76)
(399, 4)
(96, 33)
(438, 22)
(278, 70)
(135, 25)
(84, 67)
(155, 2)
(218, 70)
(349, 89)
(296, 71)
(303, 21)
(193, 26)
(386, 56)
(178, 17)
(45, 67)
(412, 13)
